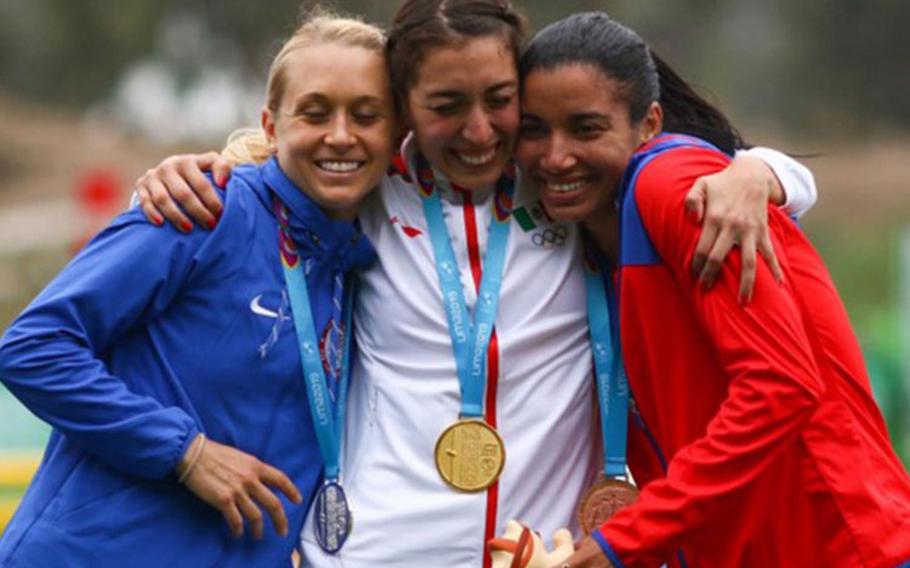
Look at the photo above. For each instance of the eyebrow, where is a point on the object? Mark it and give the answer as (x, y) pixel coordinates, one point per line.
(501, 86)
(319, 98)
(445, 95)
(582, 116)
(453, 94)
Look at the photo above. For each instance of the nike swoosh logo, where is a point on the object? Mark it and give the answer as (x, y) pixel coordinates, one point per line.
(258, 309)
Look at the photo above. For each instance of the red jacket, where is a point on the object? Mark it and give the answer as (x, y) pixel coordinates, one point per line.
(778, 455)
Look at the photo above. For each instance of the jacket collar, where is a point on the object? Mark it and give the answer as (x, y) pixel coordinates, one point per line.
(337, 243)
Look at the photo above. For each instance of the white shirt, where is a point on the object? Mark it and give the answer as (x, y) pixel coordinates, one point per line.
(405, 390)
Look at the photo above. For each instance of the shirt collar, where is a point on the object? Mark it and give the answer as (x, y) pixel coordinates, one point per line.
(443, 185)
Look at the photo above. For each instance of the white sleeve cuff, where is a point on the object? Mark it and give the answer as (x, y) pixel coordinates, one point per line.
(796, 179)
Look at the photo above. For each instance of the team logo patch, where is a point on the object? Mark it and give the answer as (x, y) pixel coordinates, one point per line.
(550, 237)
(330, 348)
(531, 216)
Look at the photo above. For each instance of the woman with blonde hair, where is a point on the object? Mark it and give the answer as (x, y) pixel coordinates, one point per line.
(169, 366)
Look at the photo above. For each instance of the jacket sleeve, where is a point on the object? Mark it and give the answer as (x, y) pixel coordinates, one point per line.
(796, 179)
(52, 355)
(772, 390)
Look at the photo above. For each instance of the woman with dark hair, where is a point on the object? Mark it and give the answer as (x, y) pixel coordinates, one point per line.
(449, 382)
(754, 439)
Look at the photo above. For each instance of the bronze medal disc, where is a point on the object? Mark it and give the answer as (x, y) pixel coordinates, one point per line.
(470, 455)
(603, 500)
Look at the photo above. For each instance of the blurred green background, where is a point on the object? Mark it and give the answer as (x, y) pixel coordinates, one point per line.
(93, 92)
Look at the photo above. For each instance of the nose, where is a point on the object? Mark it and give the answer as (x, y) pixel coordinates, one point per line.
(340, 134)
(558, 155)
(477, 128)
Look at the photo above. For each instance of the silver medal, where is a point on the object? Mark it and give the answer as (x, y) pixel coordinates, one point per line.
(331, 517)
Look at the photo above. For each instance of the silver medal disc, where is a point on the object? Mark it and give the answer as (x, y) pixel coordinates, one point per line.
(331, 517)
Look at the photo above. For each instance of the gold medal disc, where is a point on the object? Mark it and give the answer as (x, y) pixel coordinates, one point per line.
(603, 500)
(470, 455)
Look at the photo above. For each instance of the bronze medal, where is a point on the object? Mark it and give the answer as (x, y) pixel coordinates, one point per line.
(470, 455)
(603, 500)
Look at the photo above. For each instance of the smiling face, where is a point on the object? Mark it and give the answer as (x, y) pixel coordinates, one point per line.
(576, 138)
(463, 109)
(334, 127)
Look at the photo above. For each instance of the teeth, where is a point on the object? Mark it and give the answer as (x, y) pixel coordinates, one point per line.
(478, 160)
(340, 167)
(564, 187)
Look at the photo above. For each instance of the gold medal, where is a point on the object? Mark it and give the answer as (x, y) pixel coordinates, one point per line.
(470, 455)
(603, 500)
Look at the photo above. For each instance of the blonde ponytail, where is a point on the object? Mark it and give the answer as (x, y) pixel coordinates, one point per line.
(246, 146)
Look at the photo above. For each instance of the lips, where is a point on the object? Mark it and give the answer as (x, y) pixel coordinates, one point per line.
(339, 166)
(562, 186)
(476, 159)
(566, 187)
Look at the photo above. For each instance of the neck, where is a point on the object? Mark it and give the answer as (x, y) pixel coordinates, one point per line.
(347, 215)
(603, 228)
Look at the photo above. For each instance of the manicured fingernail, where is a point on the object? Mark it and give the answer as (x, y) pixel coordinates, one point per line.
(212, 223)
(157, 220)
(186, 226)
(221, 180)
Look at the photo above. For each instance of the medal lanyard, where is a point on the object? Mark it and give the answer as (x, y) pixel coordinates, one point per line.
(327, 421)
(470, 339)
(612, 383)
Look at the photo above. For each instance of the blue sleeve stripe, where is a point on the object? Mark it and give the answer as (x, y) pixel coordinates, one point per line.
(607, 549)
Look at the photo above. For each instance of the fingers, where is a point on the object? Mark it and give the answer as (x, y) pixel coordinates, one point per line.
(234, 482)
(233, 518)
(696, 198)
(202, 203)
(183, 186)
(272, 505)
(705, 243)
(747, 275)
(251, 512)
(221, 170)
(179, 180)
(160, 197)
(148, 207)
(715, 259)
(277, 479)
(766, 248)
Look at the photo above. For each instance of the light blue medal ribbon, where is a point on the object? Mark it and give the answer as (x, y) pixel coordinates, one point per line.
(470, 338)
(332, 516)
(612, 383)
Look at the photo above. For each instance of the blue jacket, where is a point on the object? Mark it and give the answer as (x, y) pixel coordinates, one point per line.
(145, 339)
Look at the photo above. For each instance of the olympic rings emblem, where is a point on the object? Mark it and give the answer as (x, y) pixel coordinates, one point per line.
(551, 237)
